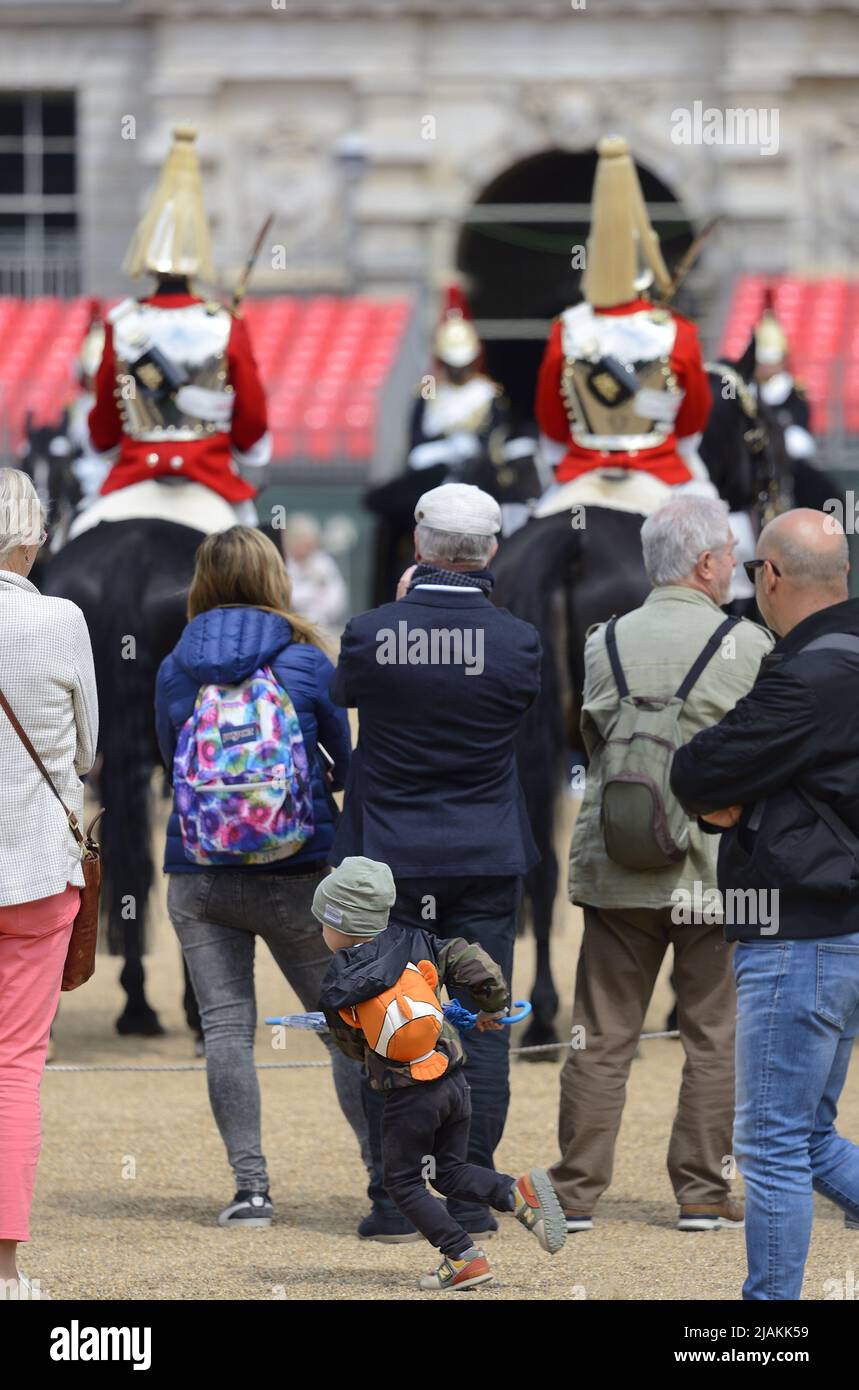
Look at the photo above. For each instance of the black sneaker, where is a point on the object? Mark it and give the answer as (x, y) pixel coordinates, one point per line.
(391, 1229)
(248, 1209)
(851, 1222)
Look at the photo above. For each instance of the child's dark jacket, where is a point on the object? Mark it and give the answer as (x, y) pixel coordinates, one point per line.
(360, 972)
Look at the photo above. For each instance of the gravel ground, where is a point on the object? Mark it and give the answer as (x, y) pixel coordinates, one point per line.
(132, 1173)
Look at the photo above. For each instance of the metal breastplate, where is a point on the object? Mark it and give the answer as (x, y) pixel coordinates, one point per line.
(612, 365)
(158, 351)
(460, 409)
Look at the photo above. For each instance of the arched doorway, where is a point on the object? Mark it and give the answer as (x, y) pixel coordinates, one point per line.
(521, 270)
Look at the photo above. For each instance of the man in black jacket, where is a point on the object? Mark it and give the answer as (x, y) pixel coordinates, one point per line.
(441, 680)
(780, 776)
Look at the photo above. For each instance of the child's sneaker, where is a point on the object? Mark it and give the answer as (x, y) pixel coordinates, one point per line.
(471, 1269)
(538, 1208)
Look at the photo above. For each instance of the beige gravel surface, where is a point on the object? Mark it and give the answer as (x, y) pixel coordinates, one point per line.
(132, 1173)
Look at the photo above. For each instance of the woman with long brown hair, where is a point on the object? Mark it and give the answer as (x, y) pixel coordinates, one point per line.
(243, 694)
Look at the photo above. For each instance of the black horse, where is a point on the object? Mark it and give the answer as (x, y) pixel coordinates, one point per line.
(46, 457)
(131, 579)
(563, 579)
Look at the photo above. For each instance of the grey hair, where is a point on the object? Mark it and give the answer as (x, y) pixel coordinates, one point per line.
(22, 516)
(674, 537)
(453, 547)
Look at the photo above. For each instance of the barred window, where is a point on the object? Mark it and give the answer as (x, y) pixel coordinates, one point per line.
(39, 251)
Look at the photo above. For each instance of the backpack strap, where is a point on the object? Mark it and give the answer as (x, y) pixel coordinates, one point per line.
(706, 656)
(614, 658)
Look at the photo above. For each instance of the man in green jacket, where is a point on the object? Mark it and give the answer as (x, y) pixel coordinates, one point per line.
(631, 917)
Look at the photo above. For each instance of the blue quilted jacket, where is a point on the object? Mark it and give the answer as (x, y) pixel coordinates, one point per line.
(224, 647)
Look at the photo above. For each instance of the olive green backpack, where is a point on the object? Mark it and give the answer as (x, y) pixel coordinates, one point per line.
(644, 826)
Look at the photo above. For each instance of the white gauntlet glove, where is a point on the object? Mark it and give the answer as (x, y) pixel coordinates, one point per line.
(215, 406)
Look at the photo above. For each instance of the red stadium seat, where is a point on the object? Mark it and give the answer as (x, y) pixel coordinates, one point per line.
(323, 361)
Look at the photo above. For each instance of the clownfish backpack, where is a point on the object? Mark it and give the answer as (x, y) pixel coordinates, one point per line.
(402, 1023)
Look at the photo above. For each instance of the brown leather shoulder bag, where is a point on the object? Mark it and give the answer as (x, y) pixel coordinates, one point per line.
(80, 957)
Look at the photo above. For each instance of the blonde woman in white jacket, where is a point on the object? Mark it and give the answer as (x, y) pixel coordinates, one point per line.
(47, 676)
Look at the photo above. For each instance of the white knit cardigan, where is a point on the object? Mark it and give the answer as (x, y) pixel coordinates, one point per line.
(47, 675)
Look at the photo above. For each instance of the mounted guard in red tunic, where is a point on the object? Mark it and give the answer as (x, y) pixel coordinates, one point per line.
(622, 384)
(178, 394)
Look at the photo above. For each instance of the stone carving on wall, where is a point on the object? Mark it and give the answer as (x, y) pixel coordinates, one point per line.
(288, 169)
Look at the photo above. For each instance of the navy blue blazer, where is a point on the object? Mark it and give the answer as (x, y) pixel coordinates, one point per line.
(433, 787)
(224, 646)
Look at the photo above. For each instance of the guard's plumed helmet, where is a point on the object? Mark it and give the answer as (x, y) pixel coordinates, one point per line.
(620, 231)
(172, 237)
(456, 342)
(771, 345)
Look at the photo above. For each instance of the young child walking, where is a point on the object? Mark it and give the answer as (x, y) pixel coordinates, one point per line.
(381, 998)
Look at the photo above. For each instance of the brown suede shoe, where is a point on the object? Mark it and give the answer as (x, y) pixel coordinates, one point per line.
(729, 1215)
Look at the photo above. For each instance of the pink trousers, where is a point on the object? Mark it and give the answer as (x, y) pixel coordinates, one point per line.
(34, 938)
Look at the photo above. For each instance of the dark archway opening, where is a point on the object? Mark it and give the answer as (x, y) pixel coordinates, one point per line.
(523, 270)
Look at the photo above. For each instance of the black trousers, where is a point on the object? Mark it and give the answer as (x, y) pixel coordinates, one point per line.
(484, 910)
(425, 1138)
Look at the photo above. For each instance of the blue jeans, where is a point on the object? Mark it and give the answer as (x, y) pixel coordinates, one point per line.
(797, 1019)
(484, 910)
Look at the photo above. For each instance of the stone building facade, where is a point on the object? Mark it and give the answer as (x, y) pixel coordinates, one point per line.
(370, 127)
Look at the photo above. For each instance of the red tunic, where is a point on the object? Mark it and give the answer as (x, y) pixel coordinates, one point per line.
(207, 460)
(662, 461)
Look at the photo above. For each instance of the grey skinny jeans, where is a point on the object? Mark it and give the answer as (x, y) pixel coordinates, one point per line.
(217, 917)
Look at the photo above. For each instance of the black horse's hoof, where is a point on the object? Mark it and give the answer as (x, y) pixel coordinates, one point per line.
(541, 1035)
(140, 1023)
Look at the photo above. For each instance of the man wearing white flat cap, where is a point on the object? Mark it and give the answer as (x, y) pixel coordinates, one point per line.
(441, 679)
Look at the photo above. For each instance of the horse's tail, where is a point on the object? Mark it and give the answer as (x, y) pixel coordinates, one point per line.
(125, 663)
(533, 572)
(104, 574)
(533, 568)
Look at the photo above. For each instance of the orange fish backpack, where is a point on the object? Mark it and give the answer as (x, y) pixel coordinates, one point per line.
(402, 1023)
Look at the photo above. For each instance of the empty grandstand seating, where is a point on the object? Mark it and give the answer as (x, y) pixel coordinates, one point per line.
(323, 361)
(821, 320)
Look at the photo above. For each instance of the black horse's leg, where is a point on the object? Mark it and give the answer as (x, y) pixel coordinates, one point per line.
(138, 1017)
(541, 884)
(125, 784)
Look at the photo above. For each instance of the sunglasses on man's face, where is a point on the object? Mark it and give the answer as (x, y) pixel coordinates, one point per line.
(751, 566)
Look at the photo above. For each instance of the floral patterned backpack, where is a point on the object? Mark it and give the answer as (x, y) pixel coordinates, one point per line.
(241, 775)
